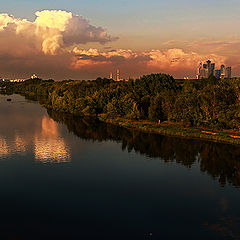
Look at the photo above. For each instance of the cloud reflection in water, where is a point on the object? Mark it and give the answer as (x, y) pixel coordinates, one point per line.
(49, 147)
(3, 147)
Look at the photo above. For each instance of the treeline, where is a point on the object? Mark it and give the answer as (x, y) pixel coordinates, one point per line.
(209, 102)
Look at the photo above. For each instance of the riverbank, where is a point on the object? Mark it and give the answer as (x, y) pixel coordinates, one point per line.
(152, 97)
(167, 128)
(178, 130)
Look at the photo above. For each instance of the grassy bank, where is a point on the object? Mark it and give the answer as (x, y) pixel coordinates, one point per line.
(173, 129)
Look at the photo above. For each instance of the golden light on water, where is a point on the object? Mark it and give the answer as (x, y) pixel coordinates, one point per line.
(3, 147)
(20, 144)
(51, 151)
(49, 147)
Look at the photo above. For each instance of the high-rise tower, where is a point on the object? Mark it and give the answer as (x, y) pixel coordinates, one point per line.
(228, 72)
(212, 69)
(118, 75)
(222, 69)
(199, 71)
(218, 74)
(208, 68)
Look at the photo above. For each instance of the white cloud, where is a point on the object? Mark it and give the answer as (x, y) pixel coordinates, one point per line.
(52, 32)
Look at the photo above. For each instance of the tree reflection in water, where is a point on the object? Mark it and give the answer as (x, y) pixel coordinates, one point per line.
(221, 161)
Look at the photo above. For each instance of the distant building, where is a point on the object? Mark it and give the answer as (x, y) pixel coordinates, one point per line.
(212, 69)
(17, 80)
(202, 71)
(222, 69)
(5, 80)
(111, 75)
(228, 72)
(207, 69)
(118, 76)
(34, 76)
(218, 74)
(199, 71)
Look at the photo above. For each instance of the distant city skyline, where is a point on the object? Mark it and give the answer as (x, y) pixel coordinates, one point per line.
(86, 39)
(207, 69)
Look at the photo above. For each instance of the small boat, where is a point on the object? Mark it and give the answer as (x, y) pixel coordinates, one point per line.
(9, 99)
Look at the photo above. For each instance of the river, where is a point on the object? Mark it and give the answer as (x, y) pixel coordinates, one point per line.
(63, 177)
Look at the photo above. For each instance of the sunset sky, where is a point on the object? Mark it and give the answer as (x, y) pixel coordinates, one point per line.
(81, 39)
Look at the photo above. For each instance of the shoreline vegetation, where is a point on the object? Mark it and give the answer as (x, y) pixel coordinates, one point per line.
(177, 130)
(207, 109)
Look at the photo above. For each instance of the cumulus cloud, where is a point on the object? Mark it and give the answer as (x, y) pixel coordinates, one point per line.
(176, 58)
(120, 56)
(170, 61)
(53, 46)
(52, 32)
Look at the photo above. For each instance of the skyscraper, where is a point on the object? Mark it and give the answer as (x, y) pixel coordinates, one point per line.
(202, 71)
(212, 69)
(222, 70)
(199, 71)
(218, 74)
(111, 75)
(118, 75)
(228, 72)
(205, 71)
(208, 68)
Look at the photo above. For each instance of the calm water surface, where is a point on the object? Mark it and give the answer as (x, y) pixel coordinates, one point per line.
(68, 178)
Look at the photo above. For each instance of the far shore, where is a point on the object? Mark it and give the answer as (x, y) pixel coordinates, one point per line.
(185, 109)
(168, 128)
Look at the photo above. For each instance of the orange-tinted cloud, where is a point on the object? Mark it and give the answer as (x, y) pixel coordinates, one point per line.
(170, 61)
(53, 47)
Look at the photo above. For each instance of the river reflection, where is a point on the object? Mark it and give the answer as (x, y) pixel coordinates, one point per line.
(221, 161)
(64, 177)
(16, 134)
(49, 147)
(3, 147)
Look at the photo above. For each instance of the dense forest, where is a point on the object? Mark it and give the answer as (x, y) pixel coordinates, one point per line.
(208, 102)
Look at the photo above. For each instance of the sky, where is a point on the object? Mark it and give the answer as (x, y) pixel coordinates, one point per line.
(79, 39)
